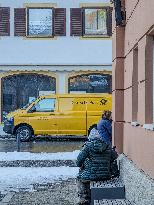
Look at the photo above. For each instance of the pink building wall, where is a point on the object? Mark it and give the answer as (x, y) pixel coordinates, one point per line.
(135, 142)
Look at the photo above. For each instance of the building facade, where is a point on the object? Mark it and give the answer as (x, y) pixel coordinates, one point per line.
(133, 95)
(53, 47)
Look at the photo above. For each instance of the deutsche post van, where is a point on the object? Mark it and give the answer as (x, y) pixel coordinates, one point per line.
(67, 114)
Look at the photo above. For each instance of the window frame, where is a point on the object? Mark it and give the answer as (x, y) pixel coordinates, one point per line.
(83, 22)
(46, 99)
(27, 23)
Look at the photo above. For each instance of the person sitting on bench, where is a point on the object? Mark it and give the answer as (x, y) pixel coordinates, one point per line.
(94, 161)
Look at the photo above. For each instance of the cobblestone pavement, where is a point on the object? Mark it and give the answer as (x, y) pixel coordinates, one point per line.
(37, 163)
(58, 193)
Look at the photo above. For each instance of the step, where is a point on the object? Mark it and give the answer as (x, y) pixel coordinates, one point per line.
(107, 190)
(112, 202)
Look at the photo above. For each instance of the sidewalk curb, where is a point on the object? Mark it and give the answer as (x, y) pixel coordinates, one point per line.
(38, 163)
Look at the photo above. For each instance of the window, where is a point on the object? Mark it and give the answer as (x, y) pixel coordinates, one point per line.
(95, 21)
(45, 105)
(40, 22)
(91, 83)
(91, 21)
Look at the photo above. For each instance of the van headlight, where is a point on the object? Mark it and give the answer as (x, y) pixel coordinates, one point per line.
(10, 119)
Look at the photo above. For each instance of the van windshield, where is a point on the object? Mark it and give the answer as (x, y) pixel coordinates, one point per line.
(27, 105)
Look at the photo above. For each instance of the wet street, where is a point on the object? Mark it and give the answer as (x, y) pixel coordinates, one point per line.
(42, 145)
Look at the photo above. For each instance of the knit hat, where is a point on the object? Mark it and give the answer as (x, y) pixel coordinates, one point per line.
(94, 134)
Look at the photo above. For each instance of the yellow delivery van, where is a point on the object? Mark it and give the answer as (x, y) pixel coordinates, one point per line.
(65, 114)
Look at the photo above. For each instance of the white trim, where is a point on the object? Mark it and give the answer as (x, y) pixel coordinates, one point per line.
(56, 67)
(149, 126)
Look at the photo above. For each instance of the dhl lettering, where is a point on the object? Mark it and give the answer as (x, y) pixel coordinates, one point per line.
(103, 101)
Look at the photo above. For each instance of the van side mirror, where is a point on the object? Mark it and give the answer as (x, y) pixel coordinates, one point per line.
(32, 109)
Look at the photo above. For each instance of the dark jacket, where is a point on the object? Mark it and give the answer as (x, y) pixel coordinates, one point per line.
(104, 128)
(95, 159)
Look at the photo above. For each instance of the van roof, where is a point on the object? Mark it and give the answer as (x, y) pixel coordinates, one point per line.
(76, 95)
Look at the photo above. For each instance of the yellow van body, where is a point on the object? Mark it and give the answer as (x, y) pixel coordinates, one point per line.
(63, 114)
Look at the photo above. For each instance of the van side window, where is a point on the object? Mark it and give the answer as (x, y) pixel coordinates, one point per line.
(45, 105)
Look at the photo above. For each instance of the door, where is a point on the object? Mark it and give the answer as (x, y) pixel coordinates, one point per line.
(42, 117)
(71, 118)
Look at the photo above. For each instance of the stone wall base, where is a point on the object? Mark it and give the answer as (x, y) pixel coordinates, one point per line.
(139, 187)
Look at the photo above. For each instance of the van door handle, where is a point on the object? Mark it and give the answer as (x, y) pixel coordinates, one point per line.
(61, 113)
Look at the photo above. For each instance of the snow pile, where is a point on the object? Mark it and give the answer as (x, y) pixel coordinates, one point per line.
(15, 178)
(13, 156)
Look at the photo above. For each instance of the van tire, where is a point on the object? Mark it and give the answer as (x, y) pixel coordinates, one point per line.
(92, 127)
(25, 133)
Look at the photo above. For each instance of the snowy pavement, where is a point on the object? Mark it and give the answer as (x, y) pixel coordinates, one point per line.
(57, 193)
(16, 178)
(38, 185)
(13, 156)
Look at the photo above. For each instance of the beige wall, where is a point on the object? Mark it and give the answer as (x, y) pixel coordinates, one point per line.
(136, 142)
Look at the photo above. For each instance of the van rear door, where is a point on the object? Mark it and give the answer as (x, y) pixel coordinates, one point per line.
(71, 119)
(95, 106)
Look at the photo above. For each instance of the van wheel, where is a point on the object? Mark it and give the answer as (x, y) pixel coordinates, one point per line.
(24, 132)
(93, 127)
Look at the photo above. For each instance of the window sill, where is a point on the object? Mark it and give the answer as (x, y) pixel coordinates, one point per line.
(95, 37)
(149, 127)
(135, 124)
(39, 38)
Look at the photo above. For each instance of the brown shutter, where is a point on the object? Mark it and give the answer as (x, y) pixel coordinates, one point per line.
(4, 21)
(60, 22)
(20, 22)
(76, 22)
(109, 21)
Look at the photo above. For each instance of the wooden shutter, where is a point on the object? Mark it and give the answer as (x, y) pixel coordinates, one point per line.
(4, 21)
(60, 22)
(76, 22)
(20, 22)
(109, 21)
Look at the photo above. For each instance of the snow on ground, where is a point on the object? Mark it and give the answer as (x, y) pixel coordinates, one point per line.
(15, 178)
(13, 156)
